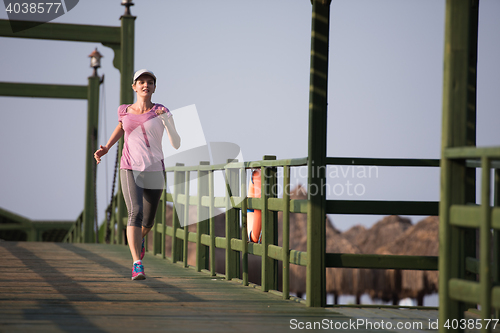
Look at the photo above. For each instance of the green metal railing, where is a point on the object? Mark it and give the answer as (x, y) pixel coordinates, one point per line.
(456, 289)
(235, 243)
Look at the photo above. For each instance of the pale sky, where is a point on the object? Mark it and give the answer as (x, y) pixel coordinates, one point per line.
(245, 65)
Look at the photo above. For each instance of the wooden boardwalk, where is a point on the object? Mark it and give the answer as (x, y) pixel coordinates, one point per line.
(59, 287)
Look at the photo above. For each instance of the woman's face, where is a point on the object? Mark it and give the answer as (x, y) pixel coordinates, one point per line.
(144, 85)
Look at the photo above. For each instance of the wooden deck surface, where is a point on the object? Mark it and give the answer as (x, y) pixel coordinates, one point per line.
(57, 287)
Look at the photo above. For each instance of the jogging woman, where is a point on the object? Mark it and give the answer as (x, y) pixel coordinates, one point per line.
(142, 172)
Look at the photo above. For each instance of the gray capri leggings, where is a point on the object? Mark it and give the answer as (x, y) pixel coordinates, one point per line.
(142, 192)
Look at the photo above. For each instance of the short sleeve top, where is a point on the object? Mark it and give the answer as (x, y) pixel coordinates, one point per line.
(142, 149)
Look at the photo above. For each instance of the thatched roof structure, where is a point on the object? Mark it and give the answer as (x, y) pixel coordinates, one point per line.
(339, 281)
(380, 284)
(381, 233)
(421, 239)
(353, 233)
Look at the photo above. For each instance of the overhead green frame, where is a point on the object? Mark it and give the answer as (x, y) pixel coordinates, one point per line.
(121, 41)
(43, 90)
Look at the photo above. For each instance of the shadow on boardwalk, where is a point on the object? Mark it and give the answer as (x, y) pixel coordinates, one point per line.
(50, 287)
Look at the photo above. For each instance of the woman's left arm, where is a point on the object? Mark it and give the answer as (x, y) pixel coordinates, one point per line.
(175, 139)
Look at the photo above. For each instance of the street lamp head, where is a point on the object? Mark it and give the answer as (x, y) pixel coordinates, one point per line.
(127, 4)
(95, 60)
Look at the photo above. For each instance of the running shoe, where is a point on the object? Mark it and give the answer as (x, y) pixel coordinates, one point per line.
(143, 249)
(138, 272)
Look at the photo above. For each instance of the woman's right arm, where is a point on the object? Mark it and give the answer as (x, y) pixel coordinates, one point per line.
(103, 150)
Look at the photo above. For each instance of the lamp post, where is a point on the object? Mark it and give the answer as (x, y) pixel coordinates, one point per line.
(89, 212)
(127, 4)
(95, 60)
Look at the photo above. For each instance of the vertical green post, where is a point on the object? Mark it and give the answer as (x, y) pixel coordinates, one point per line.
(286, 232)
(185, 220)
(232, 222)
(485, 243)
(458, 130)
(177, 214)
(211, 209)
(316, 164)
(90, 164)
(496, 237)
(269, 226)
(159, 220)
(244, 226)
(202, 226)
(126, 97)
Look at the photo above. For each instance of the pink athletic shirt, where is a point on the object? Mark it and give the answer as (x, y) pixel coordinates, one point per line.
(142, 149)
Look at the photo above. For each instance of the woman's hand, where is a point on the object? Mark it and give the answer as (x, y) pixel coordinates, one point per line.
(103, 150)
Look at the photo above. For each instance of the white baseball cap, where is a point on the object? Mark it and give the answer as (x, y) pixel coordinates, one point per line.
(142, 72)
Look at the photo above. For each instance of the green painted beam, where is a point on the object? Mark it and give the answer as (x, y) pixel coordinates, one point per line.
(43, 90)
(6, 215)
(41, 225)
(465, 216)
(64, 31)
(464, 291)
(377, 261)
(382, 207)
(401, 162)
(472, 152)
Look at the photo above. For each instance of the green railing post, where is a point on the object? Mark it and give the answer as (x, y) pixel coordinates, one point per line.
(286, 232)
(177, 214)
(232, 222)
(485, 243)
(185, 220)
(211, 209)
(202, 226)
(90, 165)
(159, 220)
(126, 97)
(244, 226)
(269, 226)
(316, 165)
(496, 237)
(458, 130)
